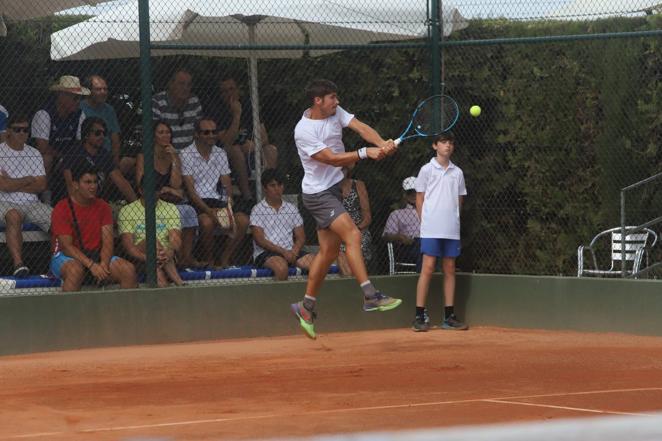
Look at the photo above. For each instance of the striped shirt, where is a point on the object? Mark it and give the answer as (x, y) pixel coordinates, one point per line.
(181, 121)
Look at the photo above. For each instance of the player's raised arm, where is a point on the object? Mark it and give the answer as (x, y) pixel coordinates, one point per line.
(327, 156)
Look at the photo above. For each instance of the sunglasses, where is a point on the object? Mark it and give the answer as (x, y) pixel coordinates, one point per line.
(208, 132)
(20, 129)
(99, 133)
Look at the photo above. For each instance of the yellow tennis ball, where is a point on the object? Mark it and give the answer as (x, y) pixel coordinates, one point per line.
(475, 111)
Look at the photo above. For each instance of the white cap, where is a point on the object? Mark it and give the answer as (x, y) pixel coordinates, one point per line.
(409, 183)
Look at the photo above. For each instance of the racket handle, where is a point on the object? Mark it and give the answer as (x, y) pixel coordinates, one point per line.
(397, 141)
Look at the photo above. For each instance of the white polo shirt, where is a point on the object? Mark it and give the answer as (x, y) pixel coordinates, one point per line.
(278, 224)
(441, 207)
(19, 164)
(314, 135)
(206, 173)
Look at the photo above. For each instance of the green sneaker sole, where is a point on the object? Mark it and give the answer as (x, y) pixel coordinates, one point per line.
(308, 329)
(388, 307)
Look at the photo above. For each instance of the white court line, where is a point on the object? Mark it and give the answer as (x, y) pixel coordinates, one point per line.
(501, 400)
(580, 409)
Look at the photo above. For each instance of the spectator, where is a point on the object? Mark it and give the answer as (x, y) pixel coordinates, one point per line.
(168, 236)
(168, 177)
(278, 234)
(55, 126)
(178, 107)
(4, 115)
(82, 229)
(22, 176)
(403, 228)
(95, 105)
(204, 167)
(356, 202)
(93, 131)
(235, 120)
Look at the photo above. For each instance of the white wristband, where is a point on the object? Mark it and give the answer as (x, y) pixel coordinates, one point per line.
(363, 152)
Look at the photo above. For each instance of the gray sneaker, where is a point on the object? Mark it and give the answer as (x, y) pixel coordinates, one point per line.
(453, 324)
(380, 302)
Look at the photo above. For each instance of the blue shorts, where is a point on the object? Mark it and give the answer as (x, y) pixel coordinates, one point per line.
(60, 259)
(440, 247)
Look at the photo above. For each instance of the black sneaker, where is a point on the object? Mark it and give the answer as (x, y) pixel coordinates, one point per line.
(421, 323)
(21, 271)
(453, 324)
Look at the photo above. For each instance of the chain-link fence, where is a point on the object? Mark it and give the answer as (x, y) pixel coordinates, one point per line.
(569, 92)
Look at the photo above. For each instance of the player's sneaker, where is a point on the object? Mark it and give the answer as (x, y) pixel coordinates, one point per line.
(421, 323)
(453, 324)
(380, 302)
(306, 319)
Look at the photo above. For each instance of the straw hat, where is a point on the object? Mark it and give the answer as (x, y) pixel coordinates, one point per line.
(69, 84)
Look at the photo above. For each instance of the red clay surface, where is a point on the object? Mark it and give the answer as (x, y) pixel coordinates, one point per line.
(347, 382)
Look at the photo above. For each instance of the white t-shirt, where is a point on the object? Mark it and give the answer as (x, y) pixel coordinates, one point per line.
(314, 135)
(41, 125)
(278, 225)
(441, 207)
(206, 174)
(19, 164)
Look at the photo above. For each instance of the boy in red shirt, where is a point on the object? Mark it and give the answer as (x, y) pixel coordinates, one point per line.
(82, 229)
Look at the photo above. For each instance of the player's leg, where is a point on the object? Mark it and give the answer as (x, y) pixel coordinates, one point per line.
(343, 264)
(319, 267)
(343, 226)
(451, 249)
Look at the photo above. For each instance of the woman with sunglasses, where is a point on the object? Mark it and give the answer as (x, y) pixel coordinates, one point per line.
(168, 177)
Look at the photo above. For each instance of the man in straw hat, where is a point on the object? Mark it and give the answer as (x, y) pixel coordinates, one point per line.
(56, 124)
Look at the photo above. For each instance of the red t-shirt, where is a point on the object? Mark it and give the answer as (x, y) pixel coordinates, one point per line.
(90, 221)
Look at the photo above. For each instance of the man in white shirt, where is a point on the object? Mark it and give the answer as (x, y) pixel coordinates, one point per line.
(204, 167)
(318, 137)
(22, 177)
(277, 227)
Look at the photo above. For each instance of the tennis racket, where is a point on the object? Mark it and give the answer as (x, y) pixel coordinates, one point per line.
(433, 116)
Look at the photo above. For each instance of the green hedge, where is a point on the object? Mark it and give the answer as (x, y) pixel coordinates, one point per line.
(564, 125)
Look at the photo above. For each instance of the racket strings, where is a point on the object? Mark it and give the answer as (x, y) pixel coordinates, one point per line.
(435, 115)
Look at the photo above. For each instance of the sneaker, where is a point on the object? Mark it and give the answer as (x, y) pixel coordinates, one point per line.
(380, 302)
(21, 271)
(306, 319)
(453, 324)
(421, 324)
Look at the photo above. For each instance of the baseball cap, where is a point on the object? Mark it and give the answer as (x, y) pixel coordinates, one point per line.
(409, 183)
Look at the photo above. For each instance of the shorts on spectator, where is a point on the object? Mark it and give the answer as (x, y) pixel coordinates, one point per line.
(440, 247)
(212, 203)
(33, 213)
(60, 259)
(261, 258)
(187, 216)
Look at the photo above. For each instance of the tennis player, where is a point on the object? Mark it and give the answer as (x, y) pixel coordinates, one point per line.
(318, 137)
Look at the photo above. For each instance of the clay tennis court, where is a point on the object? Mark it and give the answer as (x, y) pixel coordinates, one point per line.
(344, 382)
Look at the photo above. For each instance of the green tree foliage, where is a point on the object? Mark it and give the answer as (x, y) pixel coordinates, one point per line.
(564, 127)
